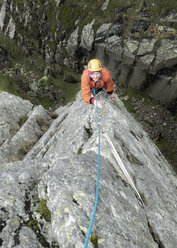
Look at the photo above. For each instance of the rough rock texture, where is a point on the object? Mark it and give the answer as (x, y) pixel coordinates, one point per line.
(134, 63)
(61, 168)
(12, 109)
(87, 37)
(19, 182)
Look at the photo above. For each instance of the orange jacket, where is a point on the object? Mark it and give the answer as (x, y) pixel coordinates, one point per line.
(87, 84)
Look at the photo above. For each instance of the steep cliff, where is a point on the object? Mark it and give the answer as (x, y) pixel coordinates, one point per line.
(47, 193)
(136, 40)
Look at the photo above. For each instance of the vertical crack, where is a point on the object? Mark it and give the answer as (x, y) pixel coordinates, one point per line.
(155, 235)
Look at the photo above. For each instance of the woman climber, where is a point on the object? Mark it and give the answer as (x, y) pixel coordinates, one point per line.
(93, 79)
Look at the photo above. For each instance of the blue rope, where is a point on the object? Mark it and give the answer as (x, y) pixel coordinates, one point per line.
(98, 174)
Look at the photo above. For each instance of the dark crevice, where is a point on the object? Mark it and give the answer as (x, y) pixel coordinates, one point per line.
(168, 71)
(155, 236)
(16, 234)
(1, 242)
(36, 228)
(2, 225)
(89, 132)
(83, 233)
(27, 203)
(80, 149)
(47, 148)
(75, 202)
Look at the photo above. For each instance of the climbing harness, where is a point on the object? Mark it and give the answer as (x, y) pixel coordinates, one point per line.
(122, 167)
(98, 175)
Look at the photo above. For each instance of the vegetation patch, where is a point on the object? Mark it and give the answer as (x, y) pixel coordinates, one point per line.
(94, 241)
(129, 106)
(169, 151)
(9, 85)
(32, 224)
(80, 150)
(43, 123)
(70, 90)
(25, 148)
(135, 93)
(9, 45)
(161, 7)
(43, 210)
(143, 108)
(22, 120)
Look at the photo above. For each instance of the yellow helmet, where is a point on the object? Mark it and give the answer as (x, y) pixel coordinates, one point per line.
(94, 65)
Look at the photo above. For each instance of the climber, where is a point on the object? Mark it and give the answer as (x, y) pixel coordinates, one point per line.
(95, 77)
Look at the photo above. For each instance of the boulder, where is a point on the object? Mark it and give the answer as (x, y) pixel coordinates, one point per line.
(12, 109)
(72, 43)
(165, 89)
(87, 37)
(169, 57)
(24, 138)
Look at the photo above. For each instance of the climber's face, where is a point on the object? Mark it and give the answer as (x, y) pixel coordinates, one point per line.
(96, 75)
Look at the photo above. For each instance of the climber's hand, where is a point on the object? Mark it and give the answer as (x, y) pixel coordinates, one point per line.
(112, 96)
(97, 103)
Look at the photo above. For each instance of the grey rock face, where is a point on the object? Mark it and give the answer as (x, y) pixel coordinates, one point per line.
(61, 168)
(2, 15)
(17, 146)
(18, 187)
(7, 24)
(146, 46)
(134, 61)
(72, 42)
(164, 84)
(69, 184)
(87, 37)
(167, 58)
(12, 109)
(105, 5)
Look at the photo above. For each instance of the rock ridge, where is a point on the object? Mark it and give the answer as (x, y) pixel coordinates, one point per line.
(60, 168)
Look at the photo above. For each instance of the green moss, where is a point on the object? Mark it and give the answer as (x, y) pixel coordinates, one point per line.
(9, 85)
(33, 225)
(132, 92)
(9, 45)
(68, 16)
(94, 241)
(161, 7)
(54, 115)
(43, 210)
(70, 90)
(129, 106)
(52, 21)
(45, 101)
